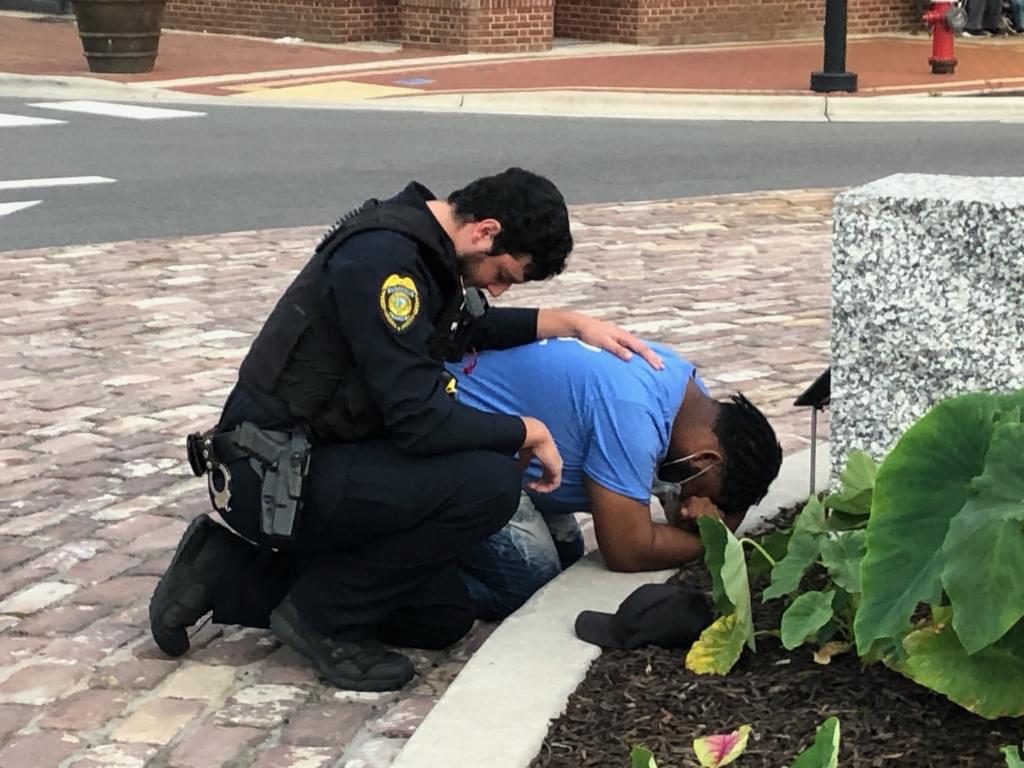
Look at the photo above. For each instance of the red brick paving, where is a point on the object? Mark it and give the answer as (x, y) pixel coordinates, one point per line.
(883, 64)
(49, 45)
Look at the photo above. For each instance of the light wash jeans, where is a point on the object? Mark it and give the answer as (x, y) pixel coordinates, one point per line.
(504, 570)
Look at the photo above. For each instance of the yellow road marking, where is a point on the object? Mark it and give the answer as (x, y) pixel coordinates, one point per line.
(338, 90)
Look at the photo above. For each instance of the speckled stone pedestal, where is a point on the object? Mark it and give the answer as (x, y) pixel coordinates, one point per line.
(927, 300)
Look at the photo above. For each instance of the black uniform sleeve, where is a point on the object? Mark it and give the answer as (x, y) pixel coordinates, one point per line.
(383, 300)
(505, 327)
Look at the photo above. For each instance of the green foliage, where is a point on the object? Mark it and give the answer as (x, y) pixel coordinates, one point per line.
(1013, 758)
(824, 753)
(922, 485)
(641, 757)
(857, 486)
(939, 523)
(805, 616)
(987, 683)
(947, 529)
(720, 645)
(841, 554)
(804, 548)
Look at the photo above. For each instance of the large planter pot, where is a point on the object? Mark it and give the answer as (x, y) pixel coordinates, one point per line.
(119, 36)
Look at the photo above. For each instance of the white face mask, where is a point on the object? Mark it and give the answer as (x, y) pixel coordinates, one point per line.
(664, 464)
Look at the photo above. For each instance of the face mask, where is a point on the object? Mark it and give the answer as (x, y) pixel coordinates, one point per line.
(683, 474)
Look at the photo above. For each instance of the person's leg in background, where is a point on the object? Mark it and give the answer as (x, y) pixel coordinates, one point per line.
(977, 16)
(1017, 15)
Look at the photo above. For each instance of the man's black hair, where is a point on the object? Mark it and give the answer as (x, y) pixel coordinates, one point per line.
(534, 218)
(750, 451)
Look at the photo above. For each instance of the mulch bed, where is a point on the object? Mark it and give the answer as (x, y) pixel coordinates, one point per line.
(648, 697)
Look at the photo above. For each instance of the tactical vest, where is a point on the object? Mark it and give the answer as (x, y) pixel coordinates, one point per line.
(301, 368)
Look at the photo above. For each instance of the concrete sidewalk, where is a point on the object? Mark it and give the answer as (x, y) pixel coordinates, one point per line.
(573, 78)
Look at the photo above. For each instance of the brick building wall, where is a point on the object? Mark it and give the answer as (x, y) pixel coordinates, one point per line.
(323, 21)
(498, 26)
(530, 25)
(668, 22)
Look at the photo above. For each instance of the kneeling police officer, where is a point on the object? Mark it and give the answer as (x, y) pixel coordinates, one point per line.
(352, 475)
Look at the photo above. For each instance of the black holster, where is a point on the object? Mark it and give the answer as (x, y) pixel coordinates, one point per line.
(283, 459)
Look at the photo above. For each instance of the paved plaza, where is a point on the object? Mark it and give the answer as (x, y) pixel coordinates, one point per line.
(111, 353)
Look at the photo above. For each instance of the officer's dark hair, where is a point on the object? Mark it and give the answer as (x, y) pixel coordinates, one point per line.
(534, 218)
(751, 454)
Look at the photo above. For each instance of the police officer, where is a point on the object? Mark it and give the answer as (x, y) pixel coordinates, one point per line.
(341, 457)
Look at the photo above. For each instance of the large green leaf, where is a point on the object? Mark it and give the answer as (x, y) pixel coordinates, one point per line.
(718, 648)
(824, 753)
(984, 549)
(921, 486)
(857, 483)
(803, 550)
(841, 553)
(805, 616)
(715, 544)
(723, 555)
(987, 683)
(1013, 758)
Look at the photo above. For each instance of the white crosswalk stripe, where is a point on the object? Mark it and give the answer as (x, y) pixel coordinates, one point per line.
(55, 181)
(129, 111)
(6, 208)
(18, 121)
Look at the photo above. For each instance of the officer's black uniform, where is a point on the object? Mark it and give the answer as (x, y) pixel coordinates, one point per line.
(402, 478)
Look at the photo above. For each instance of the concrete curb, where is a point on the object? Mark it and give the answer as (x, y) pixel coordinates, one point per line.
(53, 87)
(497, 711)
(646, 105)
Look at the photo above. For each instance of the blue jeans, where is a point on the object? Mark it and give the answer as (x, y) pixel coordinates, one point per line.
(505, 569)
(1017, 14)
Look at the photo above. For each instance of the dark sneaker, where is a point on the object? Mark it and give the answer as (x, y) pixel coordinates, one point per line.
(184, 593)
(355, 666)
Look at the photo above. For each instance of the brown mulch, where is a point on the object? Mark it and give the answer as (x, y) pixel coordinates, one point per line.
(648, 697)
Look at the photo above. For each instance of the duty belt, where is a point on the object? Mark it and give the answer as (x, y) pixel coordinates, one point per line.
(281, 459)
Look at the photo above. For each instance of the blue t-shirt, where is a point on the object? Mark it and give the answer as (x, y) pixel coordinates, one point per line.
(611, 419)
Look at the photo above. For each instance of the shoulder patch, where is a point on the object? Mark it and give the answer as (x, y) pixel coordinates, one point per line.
(399, 302)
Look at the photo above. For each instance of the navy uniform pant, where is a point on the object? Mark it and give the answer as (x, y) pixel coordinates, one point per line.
(379, 535)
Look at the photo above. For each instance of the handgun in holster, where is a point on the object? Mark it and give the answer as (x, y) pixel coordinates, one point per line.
(283, 459)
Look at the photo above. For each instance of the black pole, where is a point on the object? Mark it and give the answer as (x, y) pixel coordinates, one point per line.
(834, 77)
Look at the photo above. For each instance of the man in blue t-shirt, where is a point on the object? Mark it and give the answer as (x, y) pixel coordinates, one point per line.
(620, 427)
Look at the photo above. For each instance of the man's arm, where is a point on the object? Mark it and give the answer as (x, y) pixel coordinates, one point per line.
(630, 541)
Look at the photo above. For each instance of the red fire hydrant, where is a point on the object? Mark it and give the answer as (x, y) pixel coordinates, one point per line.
(946, 19)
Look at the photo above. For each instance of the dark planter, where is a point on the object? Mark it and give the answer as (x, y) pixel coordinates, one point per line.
(119, 36)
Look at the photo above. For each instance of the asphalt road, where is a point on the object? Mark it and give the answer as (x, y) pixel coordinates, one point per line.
(240, 168)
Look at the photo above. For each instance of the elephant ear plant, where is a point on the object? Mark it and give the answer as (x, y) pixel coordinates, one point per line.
(947, 530)
(920, 565)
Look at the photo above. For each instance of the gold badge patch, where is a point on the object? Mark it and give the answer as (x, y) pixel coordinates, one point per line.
(399, 302)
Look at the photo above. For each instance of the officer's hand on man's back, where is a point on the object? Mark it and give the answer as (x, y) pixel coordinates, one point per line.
(539, 445)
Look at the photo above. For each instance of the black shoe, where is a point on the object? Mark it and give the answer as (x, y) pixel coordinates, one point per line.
(184, 593)
(356, 666)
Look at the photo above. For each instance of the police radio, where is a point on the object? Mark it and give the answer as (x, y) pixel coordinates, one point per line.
(474, 307)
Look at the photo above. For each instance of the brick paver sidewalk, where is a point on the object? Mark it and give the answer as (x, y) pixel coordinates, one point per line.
(110, 353)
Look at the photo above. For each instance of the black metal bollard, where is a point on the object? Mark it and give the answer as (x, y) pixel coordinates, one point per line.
(834, 76)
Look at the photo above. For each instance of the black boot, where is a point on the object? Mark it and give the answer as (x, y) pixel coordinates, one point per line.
(356, 666)
(184, 593)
